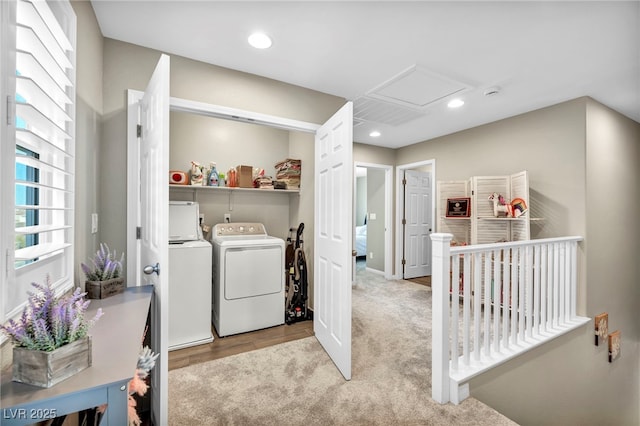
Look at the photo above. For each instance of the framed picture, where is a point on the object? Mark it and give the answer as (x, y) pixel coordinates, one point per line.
(459, 207)
(615, 341)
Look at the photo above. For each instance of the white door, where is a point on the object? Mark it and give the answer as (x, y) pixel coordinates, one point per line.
(418, 227)
(333, 237)
(154, 223)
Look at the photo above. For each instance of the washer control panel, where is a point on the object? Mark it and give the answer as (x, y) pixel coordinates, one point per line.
(240, 228)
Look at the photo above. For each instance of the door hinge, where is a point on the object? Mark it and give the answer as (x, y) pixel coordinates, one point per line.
(404, 221)
(404, 262)
(9, 110)
(404, 181)
(139, 130)
(138, 232)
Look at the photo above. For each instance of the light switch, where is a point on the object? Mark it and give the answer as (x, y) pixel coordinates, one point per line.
(372, 216)
(94, 223)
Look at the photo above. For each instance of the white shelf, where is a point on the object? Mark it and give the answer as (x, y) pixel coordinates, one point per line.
(232, 189)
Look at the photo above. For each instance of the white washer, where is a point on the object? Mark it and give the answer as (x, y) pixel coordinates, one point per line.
(248, 278)
(189, 278)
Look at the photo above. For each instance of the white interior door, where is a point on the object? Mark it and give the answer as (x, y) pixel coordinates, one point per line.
(333, 237)
(154, 223)
(419, 224)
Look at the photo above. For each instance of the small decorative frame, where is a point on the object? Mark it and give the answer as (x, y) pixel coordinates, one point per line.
(615, 341)
(459, 207)
(601, 327)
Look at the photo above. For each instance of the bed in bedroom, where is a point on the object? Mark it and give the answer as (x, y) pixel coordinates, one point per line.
(361, 240)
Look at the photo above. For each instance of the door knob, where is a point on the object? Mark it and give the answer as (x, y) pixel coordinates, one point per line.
(150, 269)
(354, 253)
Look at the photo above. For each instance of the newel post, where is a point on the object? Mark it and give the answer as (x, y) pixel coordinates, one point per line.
(440, 247)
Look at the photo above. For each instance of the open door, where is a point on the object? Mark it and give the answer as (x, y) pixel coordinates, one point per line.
(333, 237)
(419, 224)
(154, 224)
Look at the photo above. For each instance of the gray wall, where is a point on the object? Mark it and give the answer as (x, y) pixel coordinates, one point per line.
(89, 50)
(580, 156)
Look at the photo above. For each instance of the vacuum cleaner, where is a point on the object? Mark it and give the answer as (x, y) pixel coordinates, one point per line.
(296, 308)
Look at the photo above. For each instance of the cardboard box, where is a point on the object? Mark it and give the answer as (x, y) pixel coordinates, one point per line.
(245, 179)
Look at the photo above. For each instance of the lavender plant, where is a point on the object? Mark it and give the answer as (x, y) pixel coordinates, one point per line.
(49, 322)
(105, 265)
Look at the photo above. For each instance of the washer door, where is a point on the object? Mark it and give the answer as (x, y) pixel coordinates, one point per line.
(253, 271)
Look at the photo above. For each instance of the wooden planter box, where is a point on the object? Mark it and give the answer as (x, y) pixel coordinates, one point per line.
(45, 369)
(104, 289)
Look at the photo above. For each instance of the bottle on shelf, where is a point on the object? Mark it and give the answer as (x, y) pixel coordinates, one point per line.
(213, 175)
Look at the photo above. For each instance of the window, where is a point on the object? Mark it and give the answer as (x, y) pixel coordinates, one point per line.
(38, 82)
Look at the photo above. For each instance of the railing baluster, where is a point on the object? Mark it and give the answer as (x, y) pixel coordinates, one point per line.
(543, 288)
(536, 289)
(454, 289)
(477, 306)
(487, 303)
(514, 295)
(567, 281)
(556, 288)
(506, 297)
(495, 297)
(528, 274)
(466, 306)
(522, 287)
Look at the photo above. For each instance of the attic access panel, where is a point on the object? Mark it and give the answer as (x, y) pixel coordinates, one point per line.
(418, 88)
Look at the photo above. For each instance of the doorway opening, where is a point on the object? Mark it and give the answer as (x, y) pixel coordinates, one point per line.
(415, 210)
(373, 213)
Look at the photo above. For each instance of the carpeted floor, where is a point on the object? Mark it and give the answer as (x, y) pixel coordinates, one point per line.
(296, 382)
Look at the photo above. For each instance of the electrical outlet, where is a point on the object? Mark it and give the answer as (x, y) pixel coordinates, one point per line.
(94, 223)
(227, 218)
(371, 255)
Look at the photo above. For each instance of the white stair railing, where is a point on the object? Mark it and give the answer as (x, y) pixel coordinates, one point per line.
(493, 302)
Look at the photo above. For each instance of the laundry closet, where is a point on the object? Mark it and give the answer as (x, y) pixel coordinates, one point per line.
(247, 227)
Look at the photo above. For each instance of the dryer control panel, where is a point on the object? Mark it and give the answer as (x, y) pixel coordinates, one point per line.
(240, 228)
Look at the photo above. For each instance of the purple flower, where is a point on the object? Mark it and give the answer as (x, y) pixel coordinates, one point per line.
(48, 322)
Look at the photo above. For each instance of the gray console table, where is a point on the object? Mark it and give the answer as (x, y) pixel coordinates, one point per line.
(116, 340)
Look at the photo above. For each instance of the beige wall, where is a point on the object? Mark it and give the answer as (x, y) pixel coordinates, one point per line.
(575, 152)
(89, 49)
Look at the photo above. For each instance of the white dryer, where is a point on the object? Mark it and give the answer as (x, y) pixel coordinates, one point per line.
(248, 278)
(189, 278)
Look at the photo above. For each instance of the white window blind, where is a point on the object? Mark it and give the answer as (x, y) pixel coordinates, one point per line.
(43, 137)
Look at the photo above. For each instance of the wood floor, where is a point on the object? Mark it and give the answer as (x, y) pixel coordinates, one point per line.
(422, 280)
(231, 345)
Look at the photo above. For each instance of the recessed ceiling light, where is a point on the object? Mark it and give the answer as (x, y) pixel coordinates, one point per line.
(455, 103)
(260, 41)
(375, 134)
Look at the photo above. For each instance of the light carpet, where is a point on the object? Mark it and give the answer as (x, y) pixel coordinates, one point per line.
(297, 383)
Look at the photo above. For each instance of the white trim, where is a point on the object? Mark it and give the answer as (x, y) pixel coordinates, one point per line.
(219, 111)
(133, 186)
(399, 206)
(388, 213)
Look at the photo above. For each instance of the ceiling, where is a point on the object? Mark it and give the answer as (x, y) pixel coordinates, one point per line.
(400, 62)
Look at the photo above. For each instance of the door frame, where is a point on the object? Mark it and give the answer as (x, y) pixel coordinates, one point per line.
(400, 208)
(388, 212)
